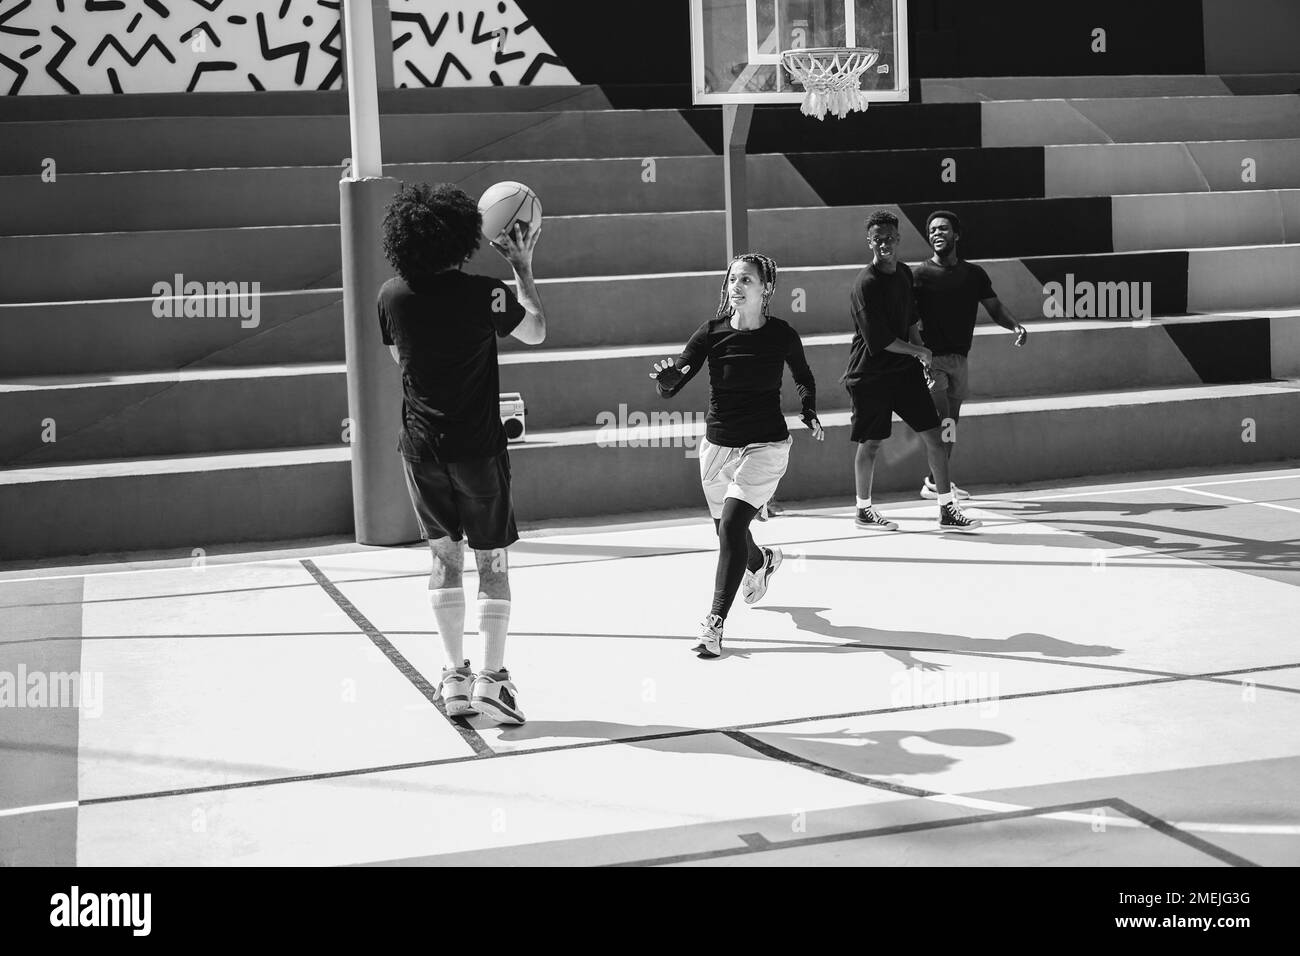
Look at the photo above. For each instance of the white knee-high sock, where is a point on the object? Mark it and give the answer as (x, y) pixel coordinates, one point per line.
(493, 624)
(449, 611)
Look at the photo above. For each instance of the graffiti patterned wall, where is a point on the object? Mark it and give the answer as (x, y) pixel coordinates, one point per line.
(165, 46)
(471, 43)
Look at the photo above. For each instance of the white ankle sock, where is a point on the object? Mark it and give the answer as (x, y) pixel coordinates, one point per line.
(449, 611)
(493, 624)
(864, 502)
(946, 498)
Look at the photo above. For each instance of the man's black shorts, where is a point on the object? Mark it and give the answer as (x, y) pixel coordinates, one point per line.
(876, 397)
(464, 499)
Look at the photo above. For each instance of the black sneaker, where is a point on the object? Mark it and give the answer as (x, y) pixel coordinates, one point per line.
(952, 519)
(871, 518)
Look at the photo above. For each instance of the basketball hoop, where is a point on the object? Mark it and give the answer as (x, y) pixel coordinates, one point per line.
(831, 78)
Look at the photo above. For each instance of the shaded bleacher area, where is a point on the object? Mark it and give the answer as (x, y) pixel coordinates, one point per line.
(182, 432)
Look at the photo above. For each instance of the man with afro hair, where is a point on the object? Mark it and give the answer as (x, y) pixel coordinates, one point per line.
(442, 325)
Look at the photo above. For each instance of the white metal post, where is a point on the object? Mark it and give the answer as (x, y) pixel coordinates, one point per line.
(363, 88)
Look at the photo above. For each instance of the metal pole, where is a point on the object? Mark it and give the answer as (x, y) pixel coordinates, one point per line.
(363, 88)
(381, 508)
(735, 134)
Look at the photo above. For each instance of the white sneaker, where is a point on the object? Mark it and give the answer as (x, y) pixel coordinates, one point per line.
(928, 490)
(495, 697)
(754, 586)
(454, 690)
(710, 642)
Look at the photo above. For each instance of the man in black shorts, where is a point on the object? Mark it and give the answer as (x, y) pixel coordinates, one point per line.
(886, 374)
(442, 325)
(949, 291)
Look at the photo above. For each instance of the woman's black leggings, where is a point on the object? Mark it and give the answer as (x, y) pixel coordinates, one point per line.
(736, 552)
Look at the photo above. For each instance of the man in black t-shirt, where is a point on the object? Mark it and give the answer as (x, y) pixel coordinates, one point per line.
(442, 326)
(949, 292)
(886, 374)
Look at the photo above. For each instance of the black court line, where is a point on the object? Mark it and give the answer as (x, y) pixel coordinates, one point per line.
(851, 835)
(785, 756)
(1169, 830)
(757, 843)
(467, 733)
(621, 741)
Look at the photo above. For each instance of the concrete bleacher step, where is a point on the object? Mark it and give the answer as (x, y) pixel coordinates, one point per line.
(975, 89)
(207, 142)
(194, 411)
(308, 195)
(185, 502)
(1138, 119)
(290, 258)
(205, 411)
(188, 503)
(112, 335)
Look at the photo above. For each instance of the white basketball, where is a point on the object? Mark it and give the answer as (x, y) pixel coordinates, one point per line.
(505, 204)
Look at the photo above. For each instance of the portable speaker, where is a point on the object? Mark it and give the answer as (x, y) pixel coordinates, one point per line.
(512, 415)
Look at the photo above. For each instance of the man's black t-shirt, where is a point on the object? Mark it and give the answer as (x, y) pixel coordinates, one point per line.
(883, 310)
(947, 300)
(446, 336)
(745, 371)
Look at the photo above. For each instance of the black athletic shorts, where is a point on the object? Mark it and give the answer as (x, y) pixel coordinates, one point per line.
(464, 499)
(876, 397)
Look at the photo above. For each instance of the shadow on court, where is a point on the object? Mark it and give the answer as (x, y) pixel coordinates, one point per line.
(900, 644)
(872, 753)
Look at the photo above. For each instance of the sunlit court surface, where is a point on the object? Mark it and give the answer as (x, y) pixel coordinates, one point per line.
(1107, 675)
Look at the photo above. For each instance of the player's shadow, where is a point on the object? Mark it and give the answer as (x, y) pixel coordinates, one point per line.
(877, 752)
(1207, 546)
(900, 644)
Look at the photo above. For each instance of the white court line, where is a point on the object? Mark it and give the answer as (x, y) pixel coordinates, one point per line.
(38, 808)
(1244, 501)
(1109, 490)
(1115, 818)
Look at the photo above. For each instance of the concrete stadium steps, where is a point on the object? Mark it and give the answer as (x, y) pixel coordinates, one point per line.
(583, 472)
(979, 89)
(290, 258)
(110, 336)
(171, 413)
(571, 388)
(116, 145)
(308, 195)
(1138, 120)
(1128, 168)
(448, 99)
(186, 503)
(207, 142)
(207, 411)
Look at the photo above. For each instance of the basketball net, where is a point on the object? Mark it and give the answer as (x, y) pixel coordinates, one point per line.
(831, 78)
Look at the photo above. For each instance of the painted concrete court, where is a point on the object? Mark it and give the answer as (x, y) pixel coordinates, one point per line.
(1108, 675)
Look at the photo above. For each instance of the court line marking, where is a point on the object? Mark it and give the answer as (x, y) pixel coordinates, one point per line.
(405, 667)
(1051, 812)
(1104, 490)
(667, 735)
(976, 803)
(39, 808)
(1244, 501)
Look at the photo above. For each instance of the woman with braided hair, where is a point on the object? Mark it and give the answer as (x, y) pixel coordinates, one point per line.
(746, 446)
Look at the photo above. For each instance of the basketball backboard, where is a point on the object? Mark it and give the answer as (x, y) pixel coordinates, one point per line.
(736, 46)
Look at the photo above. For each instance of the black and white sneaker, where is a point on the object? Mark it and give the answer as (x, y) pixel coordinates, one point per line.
(710, 643)
(952, 519)
(871, 518)
(754, 584)
(495, 697)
